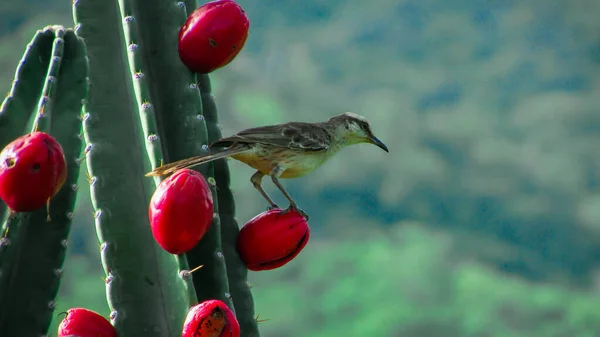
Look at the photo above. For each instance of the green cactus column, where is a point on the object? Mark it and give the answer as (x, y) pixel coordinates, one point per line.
(237, 273)
(147, 114)
(181, 126)
(145, 291)
(50, 84)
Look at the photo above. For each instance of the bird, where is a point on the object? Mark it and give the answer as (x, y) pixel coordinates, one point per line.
(284, 151)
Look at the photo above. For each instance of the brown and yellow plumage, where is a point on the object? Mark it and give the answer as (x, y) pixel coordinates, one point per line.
(287, 150)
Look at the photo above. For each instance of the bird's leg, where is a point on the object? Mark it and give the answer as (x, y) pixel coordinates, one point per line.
(275, 174)
(256, 180)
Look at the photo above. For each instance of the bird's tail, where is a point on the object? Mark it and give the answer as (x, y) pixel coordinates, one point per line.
(173, 167)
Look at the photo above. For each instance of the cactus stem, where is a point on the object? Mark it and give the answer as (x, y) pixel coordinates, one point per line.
(175, 108)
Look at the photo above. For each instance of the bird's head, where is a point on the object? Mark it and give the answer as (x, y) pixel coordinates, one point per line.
(354, 129)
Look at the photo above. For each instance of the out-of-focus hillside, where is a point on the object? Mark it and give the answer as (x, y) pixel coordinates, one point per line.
(490, 110)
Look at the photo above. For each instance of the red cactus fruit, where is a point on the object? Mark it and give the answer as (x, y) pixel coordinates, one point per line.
(85, 323)
(272, 239)
(32, 171)
(181, 211)
(213, 35)
(211, 318)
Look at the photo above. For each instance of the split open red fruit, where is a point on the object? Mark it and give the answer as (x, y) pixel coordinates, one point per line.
(181, 211)
(213, 35)
(85, 323)
(272, 239)
(211, 318)
(32, 171)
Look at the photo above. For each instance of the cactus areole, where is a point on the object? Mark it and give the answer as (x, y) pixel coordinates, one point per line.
(213, 35)
(32, 170)
(181, 211)
(272, 239)
(211, 318)
(85, 323)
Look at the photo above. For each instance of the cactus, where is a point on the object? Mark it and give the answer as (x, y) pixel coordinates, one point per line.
(52, 75)
(144, 108)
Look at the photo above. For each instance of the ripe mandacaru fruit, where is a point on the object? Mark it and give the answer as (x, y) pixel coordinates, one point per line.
(211, 318)
(85, 323)
(272, 239)
(32, 171)
(181, 211)
(213, 35)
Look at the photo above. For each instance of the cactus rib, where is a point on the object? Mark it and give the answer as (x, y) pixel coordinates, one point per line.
(32, 255)
(145, 293)
(142, 90)
(237, 272)
(42, 119)
(182, 128)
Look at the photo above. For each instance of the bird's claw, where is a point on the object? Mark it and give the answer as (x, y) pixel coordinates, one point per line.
(298, 210)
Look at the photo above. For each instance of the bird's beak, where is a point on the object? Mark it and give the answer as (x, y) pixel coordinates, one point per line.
(375, 141)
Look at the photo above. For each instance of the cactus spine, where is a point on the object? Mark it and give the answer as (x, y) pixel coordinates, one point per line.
(52, 75)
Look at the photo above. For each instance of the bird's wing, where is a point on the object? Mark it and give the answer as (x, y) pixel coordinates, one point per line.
(294, 135)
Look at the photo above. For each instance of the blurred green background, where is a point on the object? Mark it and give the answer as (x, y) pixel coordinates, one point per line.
(484, 220)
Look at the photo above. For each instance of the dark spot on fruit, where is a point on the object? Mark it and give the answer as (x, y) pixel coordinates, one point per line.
(233, 47)
(10, 162)
(291, 226)
(298, 245)
(212, 42)
(35, 168)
